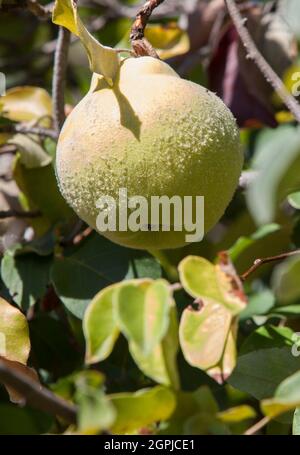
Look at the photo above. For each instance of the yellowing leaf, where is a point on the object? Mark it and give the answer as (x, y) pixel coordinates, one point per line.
(143, 312)
(203, 333)
(14, 333)
(100, 327)
(64, 14)
(286, 398)
(284, 117)
(142, 408)
(160, 365)
(14, 345)
(103, 60)
(237, 414)
(202, 279)
(223, 370)
(30, 373)
(32, 154)
(169, 40)
(198, 277)
(152, 365)
(24, 104)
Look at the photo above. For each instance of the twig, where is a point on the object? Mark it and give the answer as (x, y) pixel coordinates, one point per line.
(39, 131)
(59, 75)
(18, 214)
(257, 426)
(258, 262)
(261, 62)
(8, 149)
(140, 44)
(37, 395)
(38, 10)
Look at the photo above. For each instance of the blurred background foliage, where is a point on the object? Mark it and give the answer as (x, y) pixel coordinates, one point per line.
(52, 265)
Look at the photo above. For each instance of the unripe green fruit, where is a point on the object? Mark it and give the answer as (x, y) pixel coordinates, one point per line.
(154, 134)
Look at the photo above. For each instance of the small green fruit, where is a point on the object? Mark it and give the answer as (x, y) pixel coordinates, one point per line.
(154, 134)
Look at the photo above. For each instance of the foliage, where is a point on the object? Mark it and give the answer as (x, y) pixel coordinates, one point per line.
(144, 342)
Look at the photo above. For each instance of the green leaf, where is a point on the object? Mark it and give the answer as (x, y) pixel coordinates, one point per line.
(40, 188)
(53, 344)
(260, 302)
(100, 326)
(278, 173)
(95, 264)
(26, 276)
(203, 332)
(286, 311)
(286, 397)
(143, 312)
(294, 200)
(103, 60)
(203, 424)
(23, 421)
(140, 409)
(285, 281)
(160, 365)
(267, 336)
(296, 422)
(14, 334)
(96, 412)
(190, 404)
(261, 371)
(244, 243)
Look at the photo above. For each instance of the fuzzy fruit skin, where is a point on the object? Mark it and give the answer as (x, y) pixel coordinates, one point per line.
(154, 134)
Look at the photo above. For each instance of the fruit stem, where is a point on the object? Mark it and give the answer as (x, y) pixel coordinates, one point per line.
(169, 268)
(140, 44)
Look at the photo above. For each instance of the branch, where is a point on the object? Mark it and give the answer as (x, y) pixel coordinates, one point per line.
(140, 44)
(18, 214)
(257, 426)
(37, 395)
(38, 10)
(39, 131)
(8, 149)
(261, 62)
(258, 262)
(59, 75)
